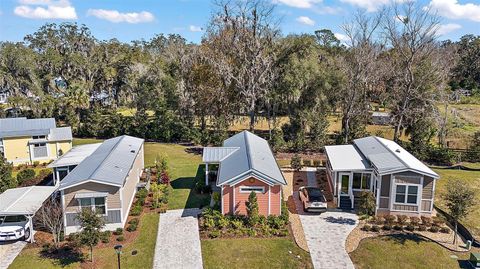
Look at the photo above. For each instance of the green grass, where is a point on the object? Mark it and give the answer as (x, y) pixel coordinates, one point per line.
(253, 253)
(104, 257)
(403, 252)
(84, 141)
(36, 169)
(470, 178)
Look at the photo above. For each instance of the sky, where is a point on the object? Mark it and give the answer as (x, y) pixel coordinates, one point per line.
(129, 20)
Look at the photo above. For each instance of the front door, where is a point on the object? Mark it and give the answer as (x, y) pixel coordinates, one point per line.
(345, 183)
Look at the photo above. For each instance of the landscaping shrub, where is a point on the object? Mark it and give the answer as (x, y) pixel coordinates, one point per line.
(375, 228)
(142, 195)
(215, 234)
(426, 220)
(296, 162)
(445, 230)
(105, 236)
(397, 227)
(24, 175)
(414, 220)
(118, 231)
(223, 222)
(134, 221)
(276, 222)
(132, 227)
(402, 219)
(36, 163)
(437, 221)
(379, 220)
(252, 209)
(410, 228)
(136, 210)
(387, 227)
(434, 229)
(367, 203)
(165, 178)
(120, 238)
(317, 163)
(390, 219)
(366, 227)
(307, 162)
(251, 232)
(236, 224)
(422, 228)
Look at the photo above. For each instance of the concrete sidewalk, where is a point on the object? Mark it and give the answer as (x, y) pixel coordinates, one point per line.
(178, 240)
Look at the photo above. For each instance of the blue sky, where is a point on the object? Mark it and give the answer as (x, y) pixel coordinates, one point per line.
(129, 20)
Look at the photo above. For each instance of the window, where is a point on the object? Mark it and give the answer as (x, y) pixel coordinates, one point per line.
(39, 137)
(96, 204)
(37, 145)
(406, 194)
(361, 181)
(249, 189)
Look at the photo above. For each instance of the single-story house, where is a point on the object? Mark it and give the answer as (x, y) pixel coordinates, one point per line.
(104, 181)
(24, 141)
(381, 118)
(400, 182)
(246, 164)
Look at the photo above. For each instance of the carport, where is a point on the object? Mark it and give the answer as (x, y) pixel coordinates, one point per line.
(25, 201)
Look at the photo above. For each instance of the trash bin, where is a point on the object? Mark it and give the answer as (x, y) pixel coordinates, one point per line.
(469, 244)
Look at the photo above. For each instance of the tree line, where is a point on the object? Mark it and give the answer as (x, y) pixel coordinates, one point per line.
(245, 67)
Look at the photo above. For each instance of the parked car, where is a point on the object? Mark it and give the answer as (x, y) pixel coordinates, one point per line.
(14, 227)
(312, 199)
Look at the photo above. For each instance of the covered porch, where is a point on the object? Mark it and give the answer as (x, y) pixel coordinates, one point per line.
(211, 157)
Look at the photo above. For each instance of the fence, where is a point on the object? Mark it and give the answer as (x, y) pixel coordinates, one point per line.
(462, 230)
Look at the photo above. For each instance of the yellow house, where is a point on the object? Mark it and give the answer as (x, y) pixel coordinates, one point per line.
(25, 141)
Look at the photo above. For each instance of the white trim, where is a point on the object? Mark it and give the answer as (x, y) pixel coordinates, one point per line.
(92, 200)
(121, 203)
(269, 190)
(407, 187)
(251, 187)
(361, 181)
(131, 201)
(221, 199)
(234, 201)
(248, 175)
(90, 180)
(433, 193)
(391, 196)
(63, 209)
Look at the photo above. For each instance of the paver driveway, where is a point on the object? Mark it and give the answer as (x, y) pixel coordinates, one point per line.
(9, 251)
(178, 240)
(326, 234)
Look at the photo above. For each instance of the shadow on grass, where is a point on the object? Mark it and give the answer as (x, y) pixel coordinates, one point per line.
(63, 256)
(402, 238)
(195, 199)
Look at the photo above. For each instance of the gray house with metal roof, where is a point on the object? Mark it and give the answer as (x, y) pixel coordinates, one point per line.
(401, 183)
(25, 141)
(246, 164)
(104, 181)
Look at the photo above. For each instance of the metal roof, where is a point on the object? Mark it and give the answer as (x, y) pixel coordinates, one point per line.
(25, 200)
(389, 157)
(346, 158)
(253, 157)
(216, 154)
(13, 127)
(75, 156)
(108, 164)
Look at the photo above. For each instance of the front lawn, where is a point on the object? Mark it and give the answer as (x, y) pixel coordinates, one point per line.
(144, 244)
(254, 253)
(472, 179)
(402, 251)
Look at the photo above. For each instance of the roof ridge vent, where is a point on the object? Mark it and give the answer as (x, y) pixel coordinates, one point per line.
(397, 150)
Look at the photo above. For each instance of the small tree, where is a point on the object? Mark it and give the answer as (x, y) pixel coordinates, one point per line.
(459, 199)
(6, 179)
(50, 216)
(296, 162)
(161, 163)
(164, 178)
(474, 150)
(367, 203)
(91, 225)
(252, 208)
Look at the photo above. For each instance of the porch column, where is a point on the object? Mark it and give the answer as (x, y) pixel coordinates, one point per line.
(30, 219)
(206, 174)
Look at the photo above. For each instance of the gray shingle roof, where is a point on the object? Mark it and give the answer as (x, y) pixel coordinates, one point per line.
(389, 157)
(252, 158)
(109, 163)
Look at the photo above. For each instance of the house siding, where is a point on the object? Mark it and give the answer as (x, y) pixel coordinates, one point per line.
(16, 149)
(71, 204)
(130, 187)
(427, 191)
(385, 187)
(113, 216)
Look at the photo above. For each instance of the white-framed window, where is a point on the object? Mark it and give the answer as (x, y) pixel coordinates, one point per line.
(96, 204)
(249, 189)
(39, 137)
(406, 194)
(361, 181)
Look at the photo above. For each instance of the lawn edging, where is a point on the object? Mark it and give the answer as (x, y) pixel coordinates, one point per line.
(462, 230)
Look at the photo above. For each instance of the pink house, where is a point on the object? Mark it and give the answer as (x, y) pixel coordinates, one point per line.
(245, 164)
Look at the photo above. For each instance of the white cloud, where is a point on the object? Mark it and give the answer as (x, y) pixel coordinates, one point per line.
(448, 28)
(306, 20)
(45, 9)
(298, 3)
(194, 28)
(343, 38)
(369, 5)
(116, 17)
(454, 10)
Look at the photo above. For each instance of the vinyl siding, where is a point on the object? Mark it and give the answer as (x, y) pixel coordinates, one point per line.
(113, 216)
(16, 149)
(227, 199)
(427, 192)
(130, 186)
(426, 205)
(405, 207)
(113, 198)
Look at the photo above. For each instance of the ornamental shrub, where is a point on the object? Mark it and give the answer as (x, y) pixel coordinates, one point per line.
(375, 228)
